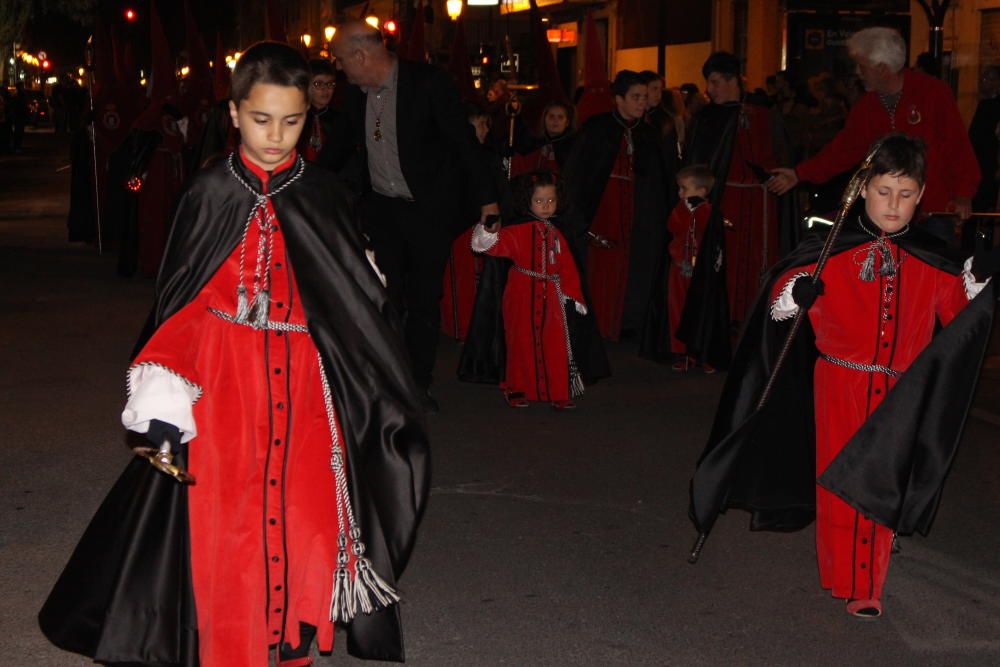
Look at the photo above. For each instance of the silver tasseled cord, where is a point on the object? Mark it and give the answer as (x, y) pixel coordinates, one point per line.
(261, 303)
(887, 266)
(366, 591)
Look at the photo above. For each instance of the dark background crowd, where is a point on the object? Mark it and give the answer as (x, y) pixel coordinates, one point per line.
(616, 145)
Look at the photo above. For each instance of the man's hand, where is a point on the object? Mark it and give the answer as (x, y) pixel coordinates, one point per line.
(962, 206)
(488, 209)
(782, 180)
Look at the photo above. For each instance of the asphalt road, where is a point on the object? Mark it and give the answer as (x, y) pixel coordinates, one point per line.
(550, 539)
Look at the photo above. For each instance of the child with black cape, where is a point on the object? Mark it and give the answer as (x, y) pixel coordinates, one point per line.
(866, 397)
(273, 366)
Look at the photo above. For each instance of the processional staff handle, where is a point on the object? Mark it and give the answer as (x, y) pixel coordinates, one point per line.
(851, 193)
(162, 458)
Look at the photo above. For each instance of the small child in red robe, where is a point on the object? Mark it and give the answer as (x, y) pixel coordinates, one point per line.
(686, 226)
(873, 312)
(542, 283)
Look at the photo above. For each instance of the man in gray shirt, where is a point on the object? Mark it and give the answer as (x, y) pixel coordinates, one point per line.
(412, 154)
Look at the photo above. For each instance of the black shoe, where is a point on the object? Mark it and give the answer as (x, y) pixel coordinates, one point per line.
(429, 404)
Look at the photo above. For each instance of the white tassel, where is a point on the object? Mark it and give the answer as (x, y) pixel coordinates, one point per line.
(867, 272)
(261, 309)
(575, 382)
(888, 267)
(342, 604)
(368, 585)
(242, 305)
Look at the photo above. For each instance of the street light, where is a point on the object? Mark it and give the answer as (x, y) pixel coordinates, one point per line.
(372, 21)
(328, 32)
(454, 8)
(307, 39)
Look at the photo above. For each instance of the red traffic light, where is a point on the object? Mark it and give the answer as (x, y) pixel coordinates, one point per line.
(390, 27)
(46, 64)
(130, 14)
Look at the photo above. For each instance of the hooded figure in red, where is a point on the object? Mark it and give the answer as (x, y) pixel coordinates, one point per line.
(157, 161)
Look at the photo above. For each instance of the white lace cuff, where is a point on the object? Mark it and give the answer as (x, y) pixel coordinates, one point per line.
(483, 240)
(972, 288)
(580, 308)
(156, 392)
(784, 307)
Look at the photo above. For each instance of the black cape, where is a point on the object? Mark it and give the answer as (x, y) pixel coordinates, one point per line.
(893, 468)
(126, 594)
(705, 326)
(586, 176)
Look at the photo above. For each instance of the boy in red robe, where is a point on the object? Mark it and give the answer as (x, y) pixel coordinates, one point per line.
(686, 226)
(884, 289)
(614, 177)
(253, 374)
(542, 282)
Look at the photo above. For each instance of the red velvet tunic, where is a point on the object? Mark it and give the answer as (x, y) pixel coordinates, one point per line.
(687, 228)
(607, 268)
(926, 109)
(533, 313)
(884, 322)
(743, 204)
(263, 514)
(461, 275)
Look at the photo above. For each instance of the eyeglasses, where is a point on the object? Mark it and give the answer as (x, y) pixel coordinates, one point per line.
(329, 85)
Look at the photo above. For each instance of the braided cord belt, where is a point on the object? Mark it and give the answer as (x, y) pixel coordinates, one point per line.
(271, 324)
(864, 368)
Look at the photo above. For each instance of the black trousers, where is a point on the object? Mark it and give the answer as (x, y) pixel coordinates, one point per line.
(411, 246)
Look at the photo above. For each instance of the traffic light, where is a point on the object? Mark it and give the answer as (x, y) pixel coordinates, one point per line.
(390, 27)
(46, 64)
(130, 15)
